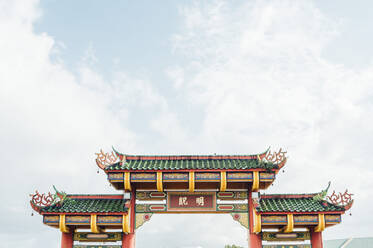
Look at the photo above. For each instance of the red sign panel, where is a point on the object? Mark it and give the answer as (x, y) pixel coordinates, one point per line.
(189, 202)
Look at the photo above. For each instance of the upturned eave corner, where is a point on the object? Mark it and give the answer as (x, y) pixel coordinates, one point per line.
(279, 158)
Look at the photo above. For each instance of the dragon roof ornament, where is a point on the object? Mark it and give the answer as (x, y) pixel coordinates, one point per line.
(340, 199)
(344, 200)
(279, 158)
(39, 201)
(105, 159)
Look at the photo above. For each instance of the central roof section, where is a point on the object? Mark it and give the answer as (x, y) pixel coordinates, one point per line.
(191, 162)
(191, 172)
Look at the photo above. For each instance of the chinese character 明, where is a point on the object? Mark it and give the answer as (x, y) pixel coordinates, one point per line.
(200, 201)
(183, 201)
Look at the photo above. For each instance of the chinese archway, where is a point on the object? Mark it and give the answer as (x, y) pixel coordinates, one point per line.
(227, 184)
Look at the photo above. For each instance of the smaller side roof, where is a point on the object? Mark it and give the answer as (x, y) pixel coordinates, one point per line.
(299, 203)
(86, 204)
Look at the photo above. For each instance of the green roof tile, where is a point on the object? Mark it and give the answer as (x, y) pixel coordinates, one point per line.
(87, 205)
(184, 164)
(294, 203)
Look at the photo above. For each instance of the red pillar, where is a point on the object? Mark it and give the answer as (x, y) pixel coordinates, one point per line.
(128, 240)
(316, 239)
(255, 240)
(67, 240)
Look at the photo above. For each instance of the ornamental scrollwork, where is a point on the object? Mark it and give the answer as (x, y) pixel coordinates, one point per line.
(39, 201)
(105, 159)
(42, 200)
(275, 157)
(340, 199)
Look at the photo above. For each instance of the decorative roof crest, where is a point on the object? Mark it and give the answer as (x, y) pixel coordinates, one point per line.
(39, 201)
(321, 196)
(105, 159)
(278, 158)
(345, 200)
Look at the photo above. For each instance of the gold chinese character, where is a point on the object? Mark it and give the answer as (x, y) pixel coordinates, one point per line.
(200, 201)
(183, 201)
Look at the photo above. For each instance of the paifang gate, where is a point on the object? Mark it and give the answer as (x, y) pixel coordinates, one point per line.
(228, 184)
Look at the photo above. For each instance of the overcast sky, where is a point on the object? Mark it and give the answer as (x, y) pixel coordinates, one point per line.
(183, 77)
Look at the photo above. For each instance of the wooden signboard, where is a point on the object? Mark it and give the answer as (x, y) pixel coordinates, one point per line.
(191, 201)
(294, 236)
(97, 246)
(287, 246)
(97, 237)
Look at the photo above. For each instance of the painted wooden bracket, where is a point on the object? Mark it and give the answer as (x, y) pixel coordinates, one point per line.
(127, 181)
(125, 223)
(255, 186)
(223, 181)
(321, 225)
(159, 181)
(62, 224)
(290, 224)
(94, 227)
(191, 181)
(257, 222)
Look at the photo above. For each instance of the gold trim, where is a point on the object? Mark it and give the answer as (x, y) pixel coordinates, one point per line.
(62, 224)
(125, 223)
(257, 222)
(127, 181)
(290, 224)
(159, 181)
(321, 225)
(255, 185)
(94, 227)
(223, 180)
(191, 181)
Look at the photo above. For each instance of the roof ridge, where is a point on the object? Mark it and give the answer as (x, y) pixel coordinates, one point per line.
(95, 196)
(189, 157)
(291, 195)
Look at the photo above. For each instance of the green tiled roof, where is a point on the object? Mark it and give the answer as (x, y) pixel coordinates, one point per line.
(297, 203)
(184, 164)
(87, 206)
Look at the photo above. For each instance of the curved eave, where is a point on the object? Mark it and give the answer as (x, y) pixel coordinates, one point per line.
(187, 170)
(84, 213)
(300, 213)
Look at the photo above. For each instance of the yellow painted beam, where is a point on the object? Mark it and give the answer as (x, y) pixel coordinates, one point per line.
(223, 180)
(255, 186)
(290, 224)
(159, 181)
(257, 222)
(62, 224)
(191, 181)
(125, 223)
(127, 181)
(94, 227)
(321, 225)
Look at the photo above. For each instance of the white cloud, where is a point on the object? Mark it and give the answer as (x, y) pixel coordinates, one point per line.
(257, 73)
(52, 121)
(254, 76)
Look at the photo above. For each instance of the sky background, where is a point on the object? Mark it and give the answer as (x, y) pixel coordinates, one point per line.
(183, 77)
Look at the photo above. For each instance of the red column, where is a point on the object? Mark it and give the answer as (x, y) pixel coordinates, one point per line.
(255, 240)
(316, 239)
(128, 240)
(67, 240)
